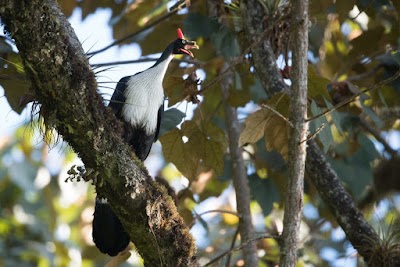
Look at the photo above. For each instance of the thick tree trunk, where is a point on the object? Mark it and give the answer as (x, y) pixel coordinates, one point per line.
(66, 88)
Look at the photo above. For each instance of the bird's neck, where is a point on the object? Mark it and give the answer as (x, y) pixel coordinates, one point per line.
(166, 55)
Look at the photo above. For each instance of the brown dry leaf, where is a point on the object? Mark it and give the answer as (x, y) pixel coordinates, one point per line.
(277, 135)
(254, 127)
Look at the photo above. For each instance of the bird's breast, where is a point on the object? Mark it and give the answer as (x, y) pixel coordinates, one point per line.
(144, 96)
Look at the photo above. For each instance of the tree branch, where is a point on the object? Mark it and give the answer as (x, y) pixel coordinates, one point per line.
(240, 180)
(66, 88)
(181, 4)
(361, 235)
(297, 153)
(263, 55)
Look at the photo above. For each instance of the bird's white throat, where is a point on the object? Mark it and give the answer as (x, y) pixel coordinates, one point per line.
(144, 95)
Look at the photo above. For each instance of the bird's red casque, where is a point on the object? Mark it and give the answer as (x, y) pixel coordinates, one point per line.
(180, 34)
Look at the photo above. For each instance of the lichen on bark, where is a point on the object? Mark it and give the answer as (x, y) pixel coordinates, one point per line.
(65, 87)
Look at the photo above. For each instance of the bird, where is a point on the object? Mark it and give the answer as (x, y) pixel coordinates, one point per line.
(138, 102)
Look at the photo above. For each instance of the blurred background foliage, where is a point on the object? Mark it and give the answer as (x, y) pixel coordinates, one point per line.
(46, 221)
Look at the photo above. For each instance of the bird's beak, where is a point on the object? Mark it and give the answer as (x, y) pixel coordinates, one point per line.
(189, 45)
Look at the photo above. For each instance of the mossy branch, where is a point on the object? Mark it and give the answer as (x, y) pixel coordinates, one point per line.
(65, 86)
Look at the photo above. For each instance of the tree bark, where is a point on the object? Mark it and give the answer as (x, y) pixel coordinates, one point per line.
(298, 133)
(66, 88)
(361, 235)
(240, 180)
(263, 56)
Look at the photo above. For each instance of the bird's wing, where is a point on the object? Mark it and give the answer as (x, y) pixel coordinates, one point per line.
(118, 98)
(159, 117)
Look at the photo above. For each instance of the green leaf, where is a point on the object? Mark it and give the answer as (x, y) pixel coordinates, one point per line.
(226, 43)
(198, 25)
(375, 118)
(170, 119)
(193, 149)
(336, 116)
(209, 144)
(317, 85)
(355, 169)
(325, 135)
(264, 192)
(16, 85)
(178, 152)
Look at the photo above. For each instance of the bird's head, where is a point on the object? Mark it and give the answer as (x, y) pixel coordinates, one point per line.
(183, 46)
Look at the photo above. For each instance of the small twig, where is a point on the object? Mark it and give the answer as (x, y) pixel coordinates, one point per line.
(235, 62)
(141, 60)
(228, 260)
(378, 137)
(313, 135)
(366, 74)
(211, 211)
(341, 104)
(277, 113)
(148, 26)
(239, 248)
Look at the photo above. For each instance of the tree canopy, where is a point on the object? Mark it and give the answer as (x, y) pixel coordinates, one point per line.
(244, 62)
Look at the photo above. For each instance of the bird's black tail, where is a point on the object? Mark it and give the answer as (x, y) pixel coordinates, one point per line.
(108, 233)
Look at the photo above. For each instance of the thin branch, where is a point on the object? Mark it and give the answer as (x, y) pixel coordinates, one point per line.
(233, 63)
(315, 133)
(145, 28)
(241, 246)
(142, 60)
(278, 113)
(228, 260)
(347, 101)
(197, 216)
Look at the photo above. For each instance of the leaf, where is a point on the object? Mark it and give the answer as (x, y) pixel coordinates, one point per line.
(254, 127)
(264, 192)
(177, 151)
(198, 25)
(374, 117)
(267, 123)
(336, 116)
(170, 119)
(16, 85)
(193, 149)
(209, 144)
(355, 169)
(225, 43)
(317, 85)
(325, 135)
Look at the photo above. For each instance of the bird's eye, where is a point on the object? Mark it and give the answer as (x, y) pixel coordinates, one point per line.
(183, 41)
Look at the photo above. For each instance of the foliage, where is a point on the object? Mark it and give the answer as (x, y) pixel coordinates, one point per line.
(353, 46)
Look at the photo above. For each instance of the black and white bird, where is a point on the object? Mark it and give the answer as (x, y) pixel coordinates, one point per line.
(138, 101)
